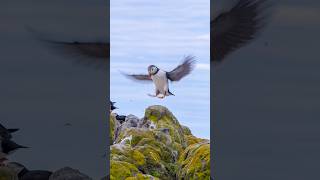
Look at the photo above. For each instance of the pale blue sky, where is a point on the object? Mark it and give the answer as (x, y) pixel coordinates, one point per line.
(162, 33)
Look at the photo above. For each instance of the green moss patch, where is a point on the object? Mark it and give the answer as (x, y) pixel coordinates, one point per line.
(168, 151)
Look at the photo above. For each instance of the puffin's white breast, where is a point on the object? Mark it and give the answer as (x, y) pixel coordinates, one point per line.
(160, 81)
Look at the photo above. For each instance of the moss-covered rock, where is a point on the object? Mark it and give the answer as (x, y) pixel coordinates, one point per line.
(163, 118)
(194, 163)
(190, 139)
(121, 170)
(142, 177)
(112, 125)
(150, 151)
(186, 130)
(152, 148)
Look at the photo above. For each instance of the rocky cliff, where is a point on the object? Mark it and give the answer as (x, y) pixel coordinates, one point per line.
(155, 147)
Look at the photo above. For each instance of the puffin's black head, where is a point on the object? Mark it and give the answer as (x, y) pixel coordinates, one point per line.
(8, 146)
(152, 70)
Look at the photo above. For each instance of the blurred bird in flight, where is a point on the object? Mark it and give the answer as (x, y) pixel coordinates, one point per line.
(235, 28)
(230, 31)
(160, 77)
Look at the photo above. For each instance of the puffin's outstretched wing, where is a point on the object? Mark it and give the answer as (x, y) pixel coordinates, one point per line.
(235, 28)
(139, 77)
(89, 49)
(182, 70)
(95, 52)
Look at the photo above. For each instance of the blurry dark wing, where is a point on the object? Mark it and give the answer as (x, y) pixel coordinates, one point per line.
(89, 49)
(139, 77)
(182, 70)
(233, 29)
(4, 133)
(96, 53)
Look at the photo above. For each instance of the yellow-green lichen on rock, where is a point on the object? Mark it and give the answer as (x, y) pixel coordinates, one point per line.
(194, 162)
(142, 177)
(121, 170)
(190, 139)
(153, 148)
(186, 130)
(112, 128)
(163, 118)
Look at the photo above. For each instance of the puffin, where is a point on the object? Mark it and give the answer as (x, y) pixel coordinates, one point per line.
(160, 78)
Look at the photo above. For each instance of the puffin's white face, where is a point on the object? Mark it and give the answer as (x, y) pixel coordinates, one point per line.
(152, 70)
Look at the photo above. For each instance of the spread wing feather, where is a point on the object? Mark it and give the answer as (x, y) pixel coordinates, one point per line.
(96, 53)
(139, 77)
(89, 49)
(235, 28)
(182, 70)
